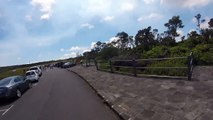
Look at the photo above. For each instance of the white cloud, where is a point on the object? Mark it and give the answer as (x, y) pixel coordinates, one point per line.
(108, 18)
(113, 39)
(28, 18)
(186, 3)
(191, 30)
(148, 1)
(102, 8)
(205, 24)
(75, 48)
(78, 49)
(87, 25)
(69, 55)
(62, 49)
(87, 50)
(45, 17)
(74, 51)
(93, 45)
(45, 6)
(97, 5)
(127, 6)
(153, 16)
(194, 20)
(181, 33)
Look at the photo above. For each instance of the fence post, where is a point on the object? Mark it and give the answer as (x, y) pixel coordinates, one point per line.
(134, 67)
(111, 67)
(89, 62)
(190, 66)
(86, 63)
(96, 65)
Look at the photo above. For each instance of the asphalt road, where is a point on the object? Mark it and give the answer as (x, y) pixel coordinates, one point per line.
(59, 95)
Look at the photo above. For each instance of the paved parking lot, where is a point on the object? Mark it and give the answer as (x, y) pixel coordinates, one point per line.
(59, 95)
(7, 105)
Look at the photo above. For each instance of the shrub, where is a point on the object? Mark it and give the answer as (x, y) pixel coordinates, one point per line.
(157, 52)
(203, 54)
(179, 51)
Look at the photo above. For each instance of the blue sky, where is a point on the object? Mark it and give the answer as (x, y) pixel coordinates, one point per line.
(40, 30)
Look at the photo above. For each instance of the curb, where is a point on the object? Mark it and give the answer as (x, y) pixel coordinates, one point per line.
(105, 101)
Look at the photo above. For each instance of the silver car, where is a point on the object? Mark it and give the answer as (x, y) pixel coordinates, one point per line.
(32, 76)
(37, 69)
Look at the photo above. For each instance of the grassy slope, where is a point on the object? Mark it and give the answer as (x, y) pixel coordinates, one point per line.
(19, 71)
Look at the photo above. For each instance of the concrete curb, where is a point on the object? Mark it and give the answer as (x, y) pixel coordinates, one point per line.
(105, 101)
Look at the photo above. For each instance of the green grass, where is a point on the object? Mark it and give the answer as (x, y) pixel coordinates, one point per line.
(152, 71)
(19, 71)
(104, 66)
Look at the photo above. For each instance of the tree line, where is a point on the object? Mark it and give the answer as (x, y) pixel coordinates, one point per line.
(148, 42)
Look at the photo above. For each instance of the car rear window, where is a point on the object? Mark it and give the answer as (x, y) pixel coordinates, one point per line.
(33, 68)
(30, 73)
(5, 81)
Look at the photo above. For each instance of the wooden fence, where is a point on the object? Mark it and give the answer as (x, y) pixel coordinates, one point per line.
(134, 68)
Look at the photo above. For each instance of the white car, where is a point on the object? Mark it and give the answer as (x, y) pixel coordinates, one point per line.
(36, 68)
(32, 76)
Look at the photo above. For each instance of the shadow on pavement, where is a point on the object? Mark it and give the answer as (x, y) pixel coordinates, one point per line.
(5, 102)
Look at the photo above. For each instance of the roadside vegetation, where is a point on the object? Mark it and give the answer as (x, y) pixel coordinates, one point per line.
(149, 43)
(19, 71)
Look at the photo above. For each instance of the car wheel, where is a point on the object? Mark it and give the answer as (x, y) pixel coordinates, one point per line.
(30, 85)
(18, 93)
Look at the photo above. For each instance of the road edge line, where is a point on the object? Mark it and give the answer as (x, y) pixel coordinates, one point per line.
(105, 101)
(7, 110)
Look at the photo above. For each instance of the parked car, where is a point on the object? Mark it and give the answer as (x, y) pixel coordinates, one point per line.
(13, 86)
(68, 64)
(37, 69)
(32, 76)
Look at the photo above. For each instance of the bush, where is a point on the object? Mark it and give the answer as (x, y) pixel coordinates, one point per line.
(166, 71)
(203, 54)
(157, 52)
(179, 51)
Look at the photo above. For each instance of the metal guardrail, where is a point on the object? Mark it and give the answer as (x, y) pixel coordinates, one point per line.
(134, 68)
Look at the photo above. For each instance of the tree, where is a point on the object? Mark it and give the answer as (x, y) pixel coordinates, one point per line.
(210, 23)
(207, 34)
(193, 34)
(145, 38)
(108, 52)
(172, 25)
(99, 46)
(167, 41)
(155, 32)
(183, 38)
(131, 43)
(122, 42)
(198, 17)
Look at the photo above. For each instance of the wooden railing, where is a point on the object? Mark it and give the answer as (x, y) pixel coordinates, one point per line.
(110, 66)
